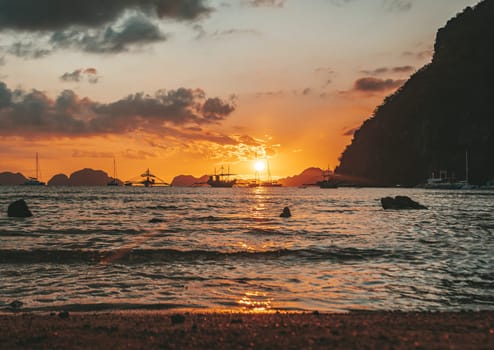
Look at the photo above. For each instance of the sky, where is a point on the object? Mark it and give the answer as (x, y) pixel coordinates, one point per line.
(188, 86)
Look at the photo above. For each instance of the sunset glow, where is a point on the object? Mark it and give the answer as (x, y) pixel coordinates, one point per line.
(183, 92)
(259, 165)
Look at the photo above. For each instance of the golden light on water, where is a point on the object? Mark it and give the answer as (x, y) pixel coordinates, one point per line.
(256, 302)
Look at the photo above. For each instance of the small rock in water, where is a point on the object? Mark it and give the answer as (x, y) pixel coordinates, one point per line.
(400, 203)
(16, 305)
(156, 220)
(286, 213)
(177, 318)
(19, 209)
(63, 314)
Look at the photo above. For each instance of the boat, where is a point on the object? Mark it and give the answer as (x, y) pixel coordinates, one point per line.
(327, 180)
(114, 181)
(221, 180)
(147, 179)
(270, 182)
(33, 181)
(444, 182)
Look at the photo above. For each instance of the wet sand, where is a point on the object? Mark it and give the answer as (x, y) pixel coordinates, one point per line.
(193, 330)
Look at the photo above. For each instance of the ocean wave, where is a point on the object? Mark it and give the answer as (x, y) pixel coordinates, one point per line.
(137, 256)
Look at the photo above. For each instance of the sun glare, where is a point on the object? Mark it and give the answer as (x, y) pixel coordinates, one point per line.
(259, 165)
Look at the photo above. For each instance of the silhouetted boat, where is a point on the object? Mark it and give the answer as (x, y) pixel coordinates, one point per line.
(270, 182)
(33, 181)
(221, 180)
(327, 180)
(147, 180)
(114, 181)
(445, 182)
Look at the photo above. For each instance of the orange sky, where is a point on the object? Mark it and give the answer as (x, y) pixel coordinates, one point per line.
(182, 90)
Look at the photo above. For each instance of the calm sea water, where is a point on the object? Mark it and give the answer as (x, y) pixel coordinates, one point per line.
(99, 248)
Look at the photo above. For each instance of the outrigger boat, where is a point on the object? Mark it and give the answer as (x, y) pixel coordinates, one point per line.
(222, 179)
(148, 180)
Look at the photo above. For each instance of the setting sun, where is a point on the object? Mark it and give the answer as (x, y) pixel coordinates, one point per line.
(259, 165)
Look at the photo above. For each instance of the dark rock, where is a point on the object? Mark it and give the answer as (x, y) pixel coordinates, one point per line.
(286, 213)
(63, 314)
(16, 305)
(177, 318)
(19, 209)
(400, 203)
(156, 220)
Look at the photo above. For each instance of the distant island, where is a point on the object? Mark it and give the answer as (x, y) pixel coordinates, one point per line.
(90, 177)
(441, 115)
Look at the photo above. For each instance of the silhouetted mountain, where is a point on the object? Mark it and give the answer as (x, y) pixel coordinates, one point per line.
(308, 176)
(8, 178)
(188, 180)
(89, 177)
(442, 111)
(59, 180)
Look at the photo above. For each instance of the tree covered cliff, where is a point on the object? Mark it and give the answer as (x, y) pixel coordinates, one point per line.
(444, 110)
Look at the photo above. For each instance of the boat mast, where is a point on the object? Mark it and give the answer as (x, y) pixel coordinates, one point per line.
(36, 165)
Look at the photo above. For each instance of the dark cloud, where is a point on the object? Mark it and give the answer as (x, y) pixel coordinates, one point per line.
(403, 69)
(236, 31)
(370, 84)
(135, 31)
(27, 50)
(267, 3)
(56, 15)
(384, 70)
(25, 113)
(89, 74)
(398, 5)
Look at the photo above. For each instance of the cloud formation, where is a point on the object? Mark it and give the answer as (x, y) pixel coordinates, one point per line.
(89, 74)
(134, 31)
(267, 3)
(56, 15)
(398, 5)
(25, 113)
(371, 84)
(385, 70)
(95, 26)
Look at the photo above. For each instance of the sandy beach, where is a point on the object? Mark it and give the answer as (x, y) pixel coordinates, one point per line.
(193, 330)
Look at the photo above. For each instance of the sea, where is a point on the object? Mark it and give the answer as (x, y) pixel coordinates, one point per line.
(227, 249)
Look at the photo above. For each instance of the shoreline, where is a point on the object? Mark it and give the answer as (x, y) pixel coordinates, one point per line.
(172, 329)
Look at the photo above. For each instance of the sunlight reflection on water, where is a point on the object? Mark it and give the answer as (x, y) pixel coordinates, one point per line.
(228, 248)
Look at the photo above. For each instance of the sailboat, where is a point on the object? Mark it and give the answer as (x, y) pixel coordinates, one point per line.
(270, 182)
(33, 181)
(114, 181)
(222, 179)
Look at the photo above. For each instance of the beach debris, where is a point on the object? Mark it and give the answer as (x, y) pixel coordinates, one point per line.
(400, 203)
(18, 209)
(286, 213)
(177, 318)
(16, 305)
(63, 314)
